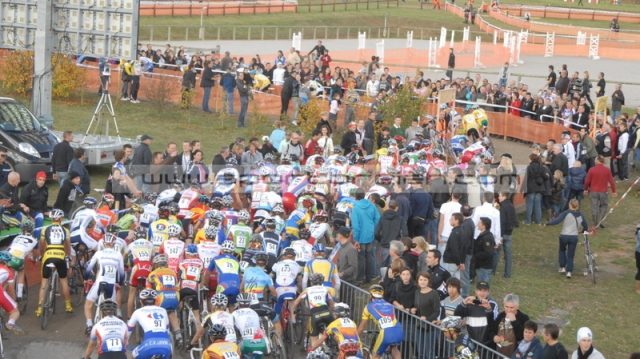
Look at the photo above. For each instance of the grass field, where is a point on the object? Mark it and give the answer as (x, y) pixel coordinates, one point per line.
(624, 27)
(604, 5)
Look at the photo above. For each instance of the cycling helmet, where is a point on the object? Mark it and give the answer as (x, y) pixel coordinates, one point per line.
(320, 215)
(243, 216)
(174, 230)
(244, 300)
(108, 306)
(164, 212)
(269, 223)
(216, 203)
(289, 252)
(191, 249)
(136, 208)
(211, 214)
(26, 226)
(108, 198)
(261, 257)
(90, 202)
(56, 214)
(5, 257)
(268, 157)
(319, 249)
(304, 233)
(219, 300)
(316, 279)
(308, 202)
(141, 232)
(161, 259)
(211, 233)
(341, 310)
(217, 331)
(232, 161)
(277, 208)
(451, 322)
(174, 208)
(376, 291)
(384, 180)
(148, 296)
(110, 238)
(227, 201)
(264, 171)
(228, 247)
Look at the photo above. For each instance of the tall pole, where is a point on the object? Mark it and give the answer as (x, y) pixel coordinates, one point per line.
(42, 72)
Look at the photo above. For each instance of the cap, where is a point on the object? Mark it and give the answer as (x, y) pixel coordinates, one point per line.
(265, 139)
(344, 231)
(41, 175)
(482, 285)
(145, 137)
(584, 333)
(73, 174)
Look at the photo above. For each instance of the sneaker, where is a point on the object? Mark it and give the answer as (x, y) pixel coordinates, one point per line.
(135, 101)
(15, 329)
(562, 270)
(68, 307)
(124, 99)
(568, 275)
(39, 311)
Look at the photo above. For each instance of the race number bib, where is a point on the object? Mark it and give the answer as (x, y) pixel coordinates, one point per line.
(241, 240)
(272, 248)
(157, 240)
(56, 235)
(193, 271)
(110, 272)
(174, 251)
(247, 332)
(385, 322)
(230, 355)
(244, 265)
(114, 345)
(144, 255)
(168, 280)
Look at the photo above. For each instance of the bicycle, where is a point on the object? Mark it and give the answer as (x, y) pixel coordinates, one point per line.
(49, 305)
(1, 340)
(76, 283)
(372, 335)
(22, 301)
(102, 288)
(292, 331)
(590, 257)
(276, 348)
(188, 323)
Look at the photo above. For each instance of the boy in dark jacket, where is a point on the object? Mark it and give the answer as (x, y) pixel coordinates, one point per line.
(529, 347)
(483, 249)
(454, 253)
(68, 192)
(389, 228)
(508, 221)
(35, 196)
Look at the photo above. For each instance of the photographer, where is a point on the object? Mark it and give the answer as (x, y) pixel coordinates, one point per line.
(478, 311)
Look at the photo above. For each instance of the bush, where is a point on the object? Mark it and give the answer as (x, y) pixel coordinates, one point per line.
(67, 77)
(405, 104)
(309, 115)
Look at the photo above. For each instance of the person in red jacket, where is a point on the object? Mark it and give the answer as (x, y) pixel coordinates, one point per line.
(613, 135)
(598, 180)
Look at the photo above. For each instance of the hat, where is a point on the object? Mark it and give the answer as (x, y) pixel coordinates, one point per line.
(145, 137)
(41, 175)
(265, 139)
(508, 155)
(482, 285)
(584, 333)
(344, 231)
(73, 174)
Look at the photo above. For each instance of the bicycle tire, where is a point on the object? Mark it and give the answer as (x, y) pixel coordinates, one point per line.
(193, 328)
(55, 284)
(365, 353)
(592, 269)
(44, 318)
(184, 321)
(76, 286)
(278, 350)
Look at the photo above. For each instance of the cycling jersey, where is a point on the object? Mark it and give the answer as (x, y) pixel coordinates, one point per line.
(110, 270)
(149, 215)
(165, 282)
(7, 276)
(323, 266)
(296, 219)
(272, 246)
(226, 319)
(127, 222)
(110, 335)
(228, 270)
(82, 218)
(345, 334)
(247, 321)
(304, 251)
(221, 350)
(55, 237)
(139, 258)
(120, 246)
(318, 297)
(20, 247)
(154, 322)
(319, 230)
(188, 199)
(190, 273)
(159, 232)
(280, 225)
(382, 313)
(256, 282)
(174, 249)
(240, 234)
(207, 250)
(105, 217)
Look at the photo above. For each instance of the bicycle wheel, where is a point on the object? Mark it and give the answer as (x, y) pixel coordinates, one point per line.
(54, 290)
(76, 286)
(44, 319)
(192, 328)
(278, 350)
(365, 353)
(592, 267)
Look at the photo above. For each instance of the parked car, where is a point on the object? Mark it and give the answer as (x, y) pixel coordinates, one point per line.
(28, 142)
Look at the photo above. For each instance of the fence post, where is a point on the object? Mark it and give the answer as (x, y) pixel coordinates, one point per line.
(334, 6)
(326, 32)
(224, 9)
(322, 6)
(337, 33)
(218, 33)
(348, 32)
(277, 28)
(169, 34)
(234, 33)
(314, 32)
(262, 33)
(249, 33)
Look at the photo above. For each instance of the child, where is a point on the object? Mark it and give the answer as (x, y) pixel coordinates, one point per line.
(557, 189)
(334, 108)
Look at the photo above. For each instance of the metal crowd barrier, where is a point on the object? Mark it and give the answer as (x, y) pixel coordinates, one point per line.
(422, 339)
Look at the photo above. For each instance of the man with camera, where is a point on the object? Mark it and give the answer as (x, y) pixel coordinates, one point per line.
(478, 311)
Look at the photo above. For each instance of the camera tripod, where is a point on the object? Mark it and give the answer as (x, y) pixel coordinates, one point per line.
(96, 119)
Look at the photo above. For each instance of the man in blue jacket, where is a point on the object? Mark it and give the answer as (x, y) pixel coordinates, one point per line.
(364, 218)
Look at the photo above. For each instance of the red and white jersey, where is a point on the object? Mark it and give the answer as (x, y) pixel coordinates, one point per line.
(174, 249)
(257, 190)
(318, 230)
(140, 251)
(207, 250)
(304, 250)
(188, 200)
(7, 275)
(386, 162)
(104, 217)
(190, 273)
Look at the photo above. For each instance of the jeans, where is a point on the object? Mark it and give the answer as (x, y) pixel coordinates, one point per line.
(623, 166)
(534, 207)
(205, 99)
(366, 262)
(244, 104)
(483, 275)
(135, 86)
(567, 251)
(229, 99)
(507, 241)
(442, 244)
(125, 89)
(452, 268)
(296, 108)
(433, 231)
(62, 176)
(465, 277)
(615, 115)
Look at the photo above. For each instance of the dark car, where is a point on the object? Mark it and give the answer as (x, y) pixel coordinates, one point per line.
(29, 144)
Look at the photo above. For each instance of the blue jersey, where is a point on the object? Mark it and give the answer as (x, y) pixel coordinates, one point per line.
(391, 333)
(257, 282)
(228, 270)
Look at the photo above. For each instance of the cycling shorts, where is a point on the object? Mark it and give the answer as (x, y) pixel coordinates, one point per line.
(109, 292)
(6, 302)
(113, 355)
(320, 316)
(59, 263)
(249, 346)
(191, 296)
(280, 302)
(386, 338)
(230, 292)
(140, 270)
(168, 300)
(154, 344)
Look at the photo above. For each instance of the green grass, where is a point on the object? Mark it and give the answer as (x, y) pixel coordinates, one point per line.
(604, 5)
(624, 27)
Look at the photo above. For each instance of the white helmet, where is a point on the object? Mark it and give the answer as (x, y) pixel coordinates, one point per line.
(243, 216)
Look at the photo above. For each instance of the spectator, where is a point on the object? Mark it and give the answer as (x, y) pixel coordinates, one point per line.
(562, 84)
(557, 193)
(244, 90)
(184, 159)
(278, 134)
(392, 274)
(408, 255)
(312, 147)
(585, 346)
(207, 83)
(5, 167)
(198, 171)
(572, 219)
(68, 194)
(420, 249)
(483, 250)
(468, 229)
(293, 147)
(439, 275)
(410, 132)
(553, 348)
(35, 196)
(604, 144)
(529, 346)
(508, 328)
(575, 181)
(454, 254)
(140, 163)
(396, 129)
(638, 259)
(478, 311)
(403, 292)
(267, 148)
(220, 159)
(228, 83)
(508, 222)
(421, 208)
(325, 142)
(251, 157)
(597, 183)
(364, 218)
(426, 307)
(62, 156)
(551, 78)
(389, 228)
(449, 304)
(346, 257)
(444, 226)
(533, 189)
(617, 101)
(622, 158)
(9, 192)
(77, 165)
(451, 64)
(324, 122)
(589, 148)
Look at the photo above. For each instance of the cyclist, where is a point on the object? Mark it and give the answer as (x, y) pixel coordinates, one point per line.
(159, 229)
(220, 347)
(256, 245)
(130, 221)
(110, 335)
(227, 268)
(214, 219)
(220, 315)
(104, 214)
(7, 277)
(83, 227)
(207, 250)
(149, 215)
(271, 241)
(88, 212)
(247, 322)
(300, 216)
(154, 321)
(165, 282)
(278, 214)
(464, 347)
(382, 312)
(344, 332)
(139, 260)
(256, 281)
(304, 249)
(321, 265)
(240, 233)
(110, 266)
(320, 228)
(319, 301)
(173, 247)
(286, 272)
(55, 245)
(21, 247)
(190, 272)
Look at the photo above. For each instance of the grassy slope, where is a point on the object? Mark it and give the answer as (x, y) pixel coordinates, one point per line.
(604, 5)
(625, 27)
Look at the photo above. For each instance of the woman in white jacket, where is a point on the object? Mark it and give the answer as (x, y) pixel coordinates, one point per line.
(325, 142)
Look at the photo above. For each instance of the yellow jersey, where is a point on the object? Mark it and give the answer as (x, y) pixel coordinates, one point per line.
(162, 280)
(221, 350)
